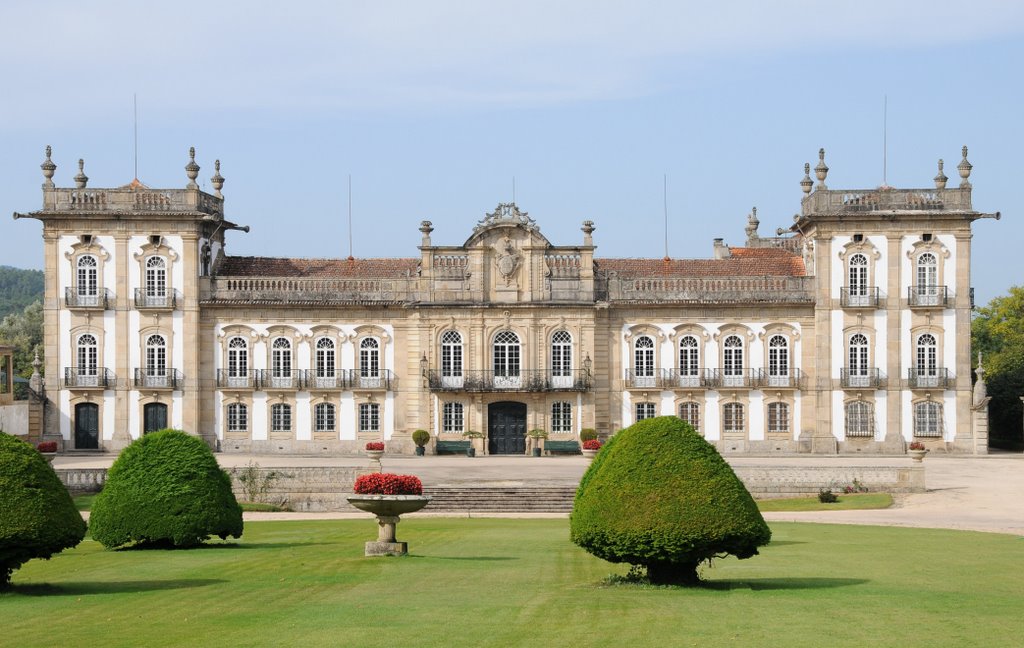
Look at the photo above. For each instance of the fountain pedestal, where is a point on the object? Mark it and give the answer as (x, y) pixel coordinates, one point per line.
(388, 509)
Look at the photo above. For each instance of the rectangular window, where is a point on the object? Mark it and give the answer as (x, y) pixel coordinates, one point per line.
(452, 420)
(561, 416)
(860, 420)
(238, 418)
(281, 418)
(324, 415)
(644, 411)
(690, 413)
(778, 418)
(369, 417)
(732, 419)
(928, 420)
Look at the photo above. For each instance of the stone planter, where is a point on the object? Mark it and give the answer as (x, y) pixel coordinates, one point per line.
(375, 456)
(917, 455)
(387, 508)
(589, 454)
(49, 456)
(471, 451)
(420, 451)
(536, 452)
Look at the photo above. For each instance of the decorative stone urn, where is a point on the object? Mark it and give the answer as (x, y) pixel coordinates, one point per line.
(917, 455)
(375, 456)
(589, 454)
(388, 508)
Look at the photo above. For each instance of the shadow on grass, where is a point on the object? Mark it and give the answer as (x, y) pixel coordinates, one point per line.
(783, 543)
(166, 546)
(471, 558)
(757, 584)
(109, 587)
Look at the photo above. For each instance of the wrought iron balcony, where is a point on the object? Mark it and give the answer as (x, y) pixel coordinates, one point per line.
(936, 378)
(861, 378)
(167, 379)
(928, 296)
(357, 379)
(680, 379)
(145, 301)
(268, 380)
(765, 379)
(89, 377)
(98, 301)
(866, 298)
(227, 379)
(527, 380)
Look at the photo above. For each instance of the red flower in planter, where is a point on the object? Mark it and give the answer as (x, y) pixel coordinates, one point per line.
(375, 445)
(591, 444)
(47, 446)
(388, 484)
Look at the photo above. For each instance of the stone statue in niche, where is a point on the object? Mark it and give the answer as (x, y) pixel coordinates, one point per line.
(507, 261)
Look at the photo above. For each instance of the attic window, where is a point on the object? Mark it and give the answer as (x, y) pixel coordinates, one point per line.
(858, 238)
(926, 237)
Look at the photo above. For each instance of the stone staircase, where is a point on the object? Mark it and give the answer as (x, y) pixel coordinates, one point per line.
(502, 499)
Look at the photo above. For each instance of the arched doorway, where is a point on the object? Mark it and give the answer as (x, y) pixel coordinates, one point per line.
(87, 426)
(506, 428)
(154, 417)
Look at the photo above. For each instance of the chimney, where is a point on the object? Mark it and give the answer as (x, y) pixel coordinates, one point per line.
(721, 250)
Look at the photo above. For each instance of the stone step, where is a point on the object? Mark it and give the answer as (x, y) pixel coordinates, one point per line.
(498, 499)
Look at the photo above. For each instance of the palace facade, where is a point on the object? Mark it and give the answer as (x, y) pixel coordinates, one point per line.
(850, 332)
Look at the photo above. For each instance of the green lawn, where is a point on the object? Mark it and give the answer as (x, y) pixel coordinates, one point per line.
(500, 582)
(847, 502)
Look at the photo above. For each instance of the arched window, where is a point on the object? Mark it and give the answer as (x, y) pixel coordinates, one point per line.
(156, 361)
(927, 365)
(858, 280)
(280, 417)
(451, 359)
(87, 284)
(156, 281)
(561, 416)
(643, 362)
(690, 412)
(732, 421)
(325, 376)
(238, 417)
(778, 361)
(689, 362)
(87, 353)
(778, 418)
(732, 361)
(561, 359)
(928, 419)
(927, 288)
(860, 419)
(506, 360)
(324, 416)
(644, 411)
(452, 418)
(369, 363)
(238, 362)
(858, 373)
(281, 358)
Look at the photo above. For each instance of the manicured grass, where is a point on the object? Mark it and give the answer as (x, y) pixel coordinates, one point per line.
(499, 582)
(84, 502)
(847, 502)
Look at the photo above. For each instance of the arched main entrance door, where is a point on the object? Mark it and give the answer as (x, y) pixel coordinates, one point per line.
(87, 426)
(506, 428)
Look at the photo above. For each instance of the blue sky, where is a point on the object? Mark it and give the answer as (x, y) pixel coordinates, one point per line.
(434, 107)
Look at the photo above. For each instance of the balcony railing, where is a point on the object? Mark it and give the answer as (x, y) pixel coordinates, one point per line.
(686, 379)
(865, 298)
(888, 199)
(323, 381)
(267, 379)
(768, 289)
(937, 378)
(227, 379)
(357, 379)
(928, 296)
(166, 379)
(133, 200)
(767, 379)
(90, 377)
(98, 301)
(715, 379)
(860, 378)
(146, 301)
(527, 380)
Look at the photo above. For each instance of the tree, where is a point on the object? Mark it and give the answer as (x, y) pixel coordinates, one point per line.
(998, 332)
(24, 332)
(18, 289)
(660, 496)
(165, 489)
(37, 517)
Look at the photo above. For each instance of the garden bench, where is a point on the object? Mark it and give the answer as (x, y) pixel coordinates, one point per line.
(565, 447)
(452, 447)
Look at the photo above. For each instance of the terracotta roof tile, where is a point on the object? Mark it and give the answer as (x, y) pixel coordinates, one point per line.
(757, 264)
(237, 266)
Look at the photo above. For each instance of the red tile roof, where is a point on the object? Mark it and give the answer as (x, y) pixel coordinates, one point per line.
(745, 262)
(237, 266)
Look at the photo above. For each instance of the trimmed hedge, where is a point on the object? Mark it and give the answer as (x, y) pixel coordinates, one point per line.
(660, 496)
(37, 517)
(165, 488)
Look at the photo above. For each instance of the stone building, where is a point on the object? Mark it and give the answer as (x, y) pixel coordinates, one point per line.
(847, 333)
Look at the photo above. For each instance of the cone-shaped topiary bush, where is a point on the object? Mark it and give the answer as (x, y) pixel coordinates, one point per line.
(37, 517)
(660, 496)
(166, 489)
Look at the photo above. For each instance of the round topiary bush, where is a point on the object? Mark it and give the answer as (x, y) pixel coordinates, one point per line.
(37, 517)
(167, 489)
(421, 437)
(660, 496)
(588, 434)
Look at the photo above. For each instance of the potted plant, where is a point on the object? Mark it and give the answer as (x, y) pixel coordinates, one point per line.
(587, 434)
(48, 449)
(537, 435)
(917, 451)
(590, 448)
(375, 450)
(420, 438)
(472, 436)
(387, 496)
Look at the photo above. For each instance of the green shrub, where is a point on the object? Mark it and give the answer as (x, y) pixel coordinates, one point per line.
(660, 496)
(826, 496)
(588, 434)
(421, 437)
(37, 517)
(166, 489)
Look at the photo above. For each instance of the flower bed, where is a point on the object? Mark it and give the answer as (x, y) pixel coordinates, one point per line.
(591, 444)
(47, 446)
(388, 484)
(375, 445)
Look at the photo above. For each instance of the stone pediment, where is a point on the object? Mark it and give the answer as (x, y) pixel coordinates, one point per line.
(506, 222)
